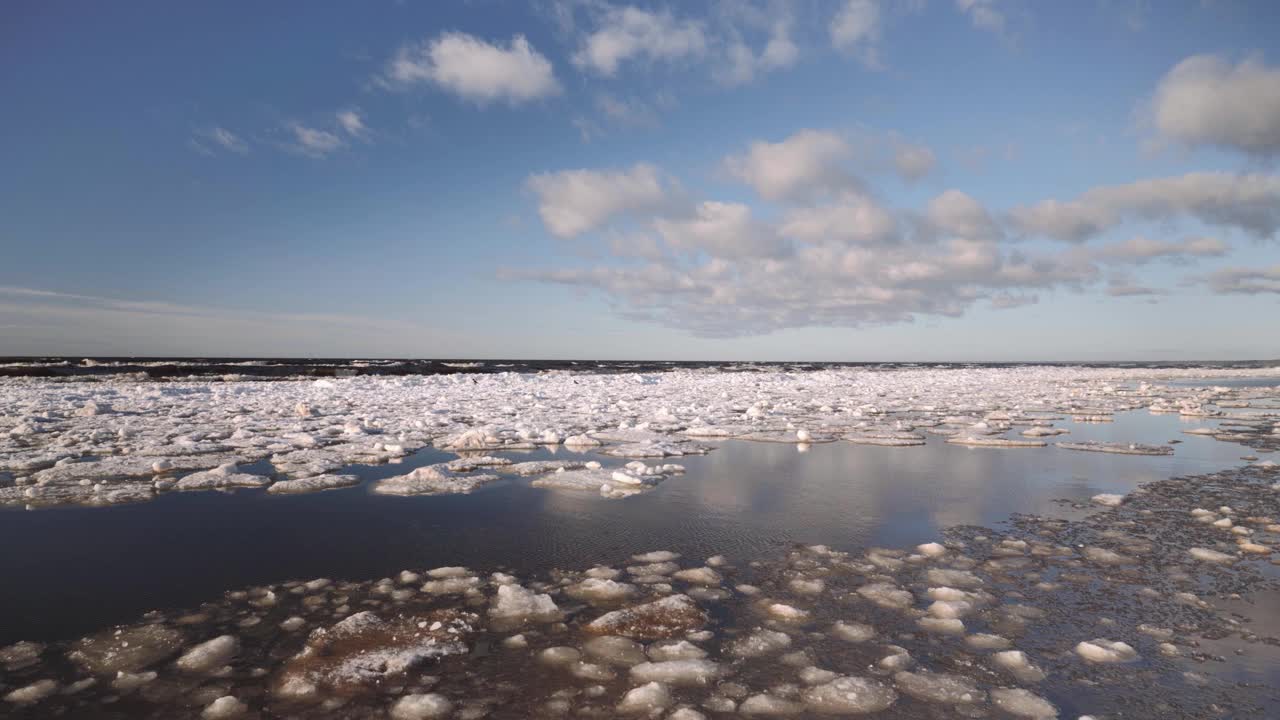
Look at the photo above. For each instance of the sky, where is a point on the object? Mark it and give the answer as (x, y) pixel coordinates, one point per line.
(854, 180)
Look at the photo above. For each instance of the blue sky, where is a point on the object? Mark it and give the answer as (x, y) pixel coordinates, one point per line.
(854, 180)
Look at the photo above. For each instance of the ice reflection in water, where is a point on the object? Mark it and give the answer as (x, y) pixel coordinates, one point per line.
(94, 567)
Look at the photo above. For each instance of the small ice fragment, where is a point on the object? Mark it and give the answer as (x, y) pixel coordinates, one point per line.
(657, 556)
(421, 707)
(559, 655)
(591, 671)
(1023, 703)
(599, 590)
(33, 693)
(675, 650)
(932, 549)
(699, 576)
(944, 626)
(953, 578)
(769, 706)
(816, 676)
(1102, 650)
(853, 632)
(671, 616)
(849, 696)
(645, 700)
(226, 707)
(802, 586)
(514, 603)
(1211, 556)
(1108, 499)
(128, 682)
(939, 687)
(1016, 662)
(681, 673)
(759, 643)
(614, 650)
(887, 595)
(950, 609)
(209, 656)
(787, 613)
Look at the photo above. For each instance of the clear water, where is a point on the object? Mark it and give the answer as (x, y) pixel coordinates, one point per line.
(69, 571)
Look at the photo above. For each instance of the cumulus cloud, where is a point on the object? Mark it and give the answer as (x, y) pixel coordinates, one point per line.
(956, 213)
(834, 255)
(806, 164)
(855, 28)
(572, 202)
(475, 69)
(717, 270)
(1246, 281)
(313, 142)
(1206, 101)
(1249, 202)
(820, 285)
(628, 33)
(723, 230)
(858, 220)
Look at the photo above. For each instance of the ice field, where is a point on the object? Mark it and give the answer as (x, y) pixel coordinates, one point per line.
(1020, 542)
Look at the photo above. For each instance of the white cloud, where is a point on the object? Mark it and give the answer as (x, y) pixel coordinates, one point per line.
(957, 214)
(913, 161)
(806, 164)
(219, 137)
(722, 230)
(781, 51)
(572, 202)
(475, 69)
(1246, 281)
(857, 220)
(835, 256)
(628, 33)
(313, 142)
(742, 64)
(720, 270)
(984, 14)
(855, 28)
(1205, 101)
(352, 122)
(1143, 249)
(1249, 202)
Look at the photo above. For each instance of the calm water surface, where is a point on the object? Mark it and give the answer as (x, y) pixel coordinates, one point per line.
(68, 571)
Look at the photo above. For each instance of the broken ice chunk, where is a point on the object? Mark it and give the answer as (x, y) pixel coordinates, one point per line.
(1102, 650)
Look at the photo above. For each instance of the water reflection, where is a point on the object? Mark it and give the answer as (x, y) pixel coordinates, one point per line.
(68, 571)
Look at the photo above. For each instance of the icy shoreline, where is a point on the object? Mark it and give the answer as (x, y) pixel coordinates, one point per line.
(1050, 618)
(119, 439)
